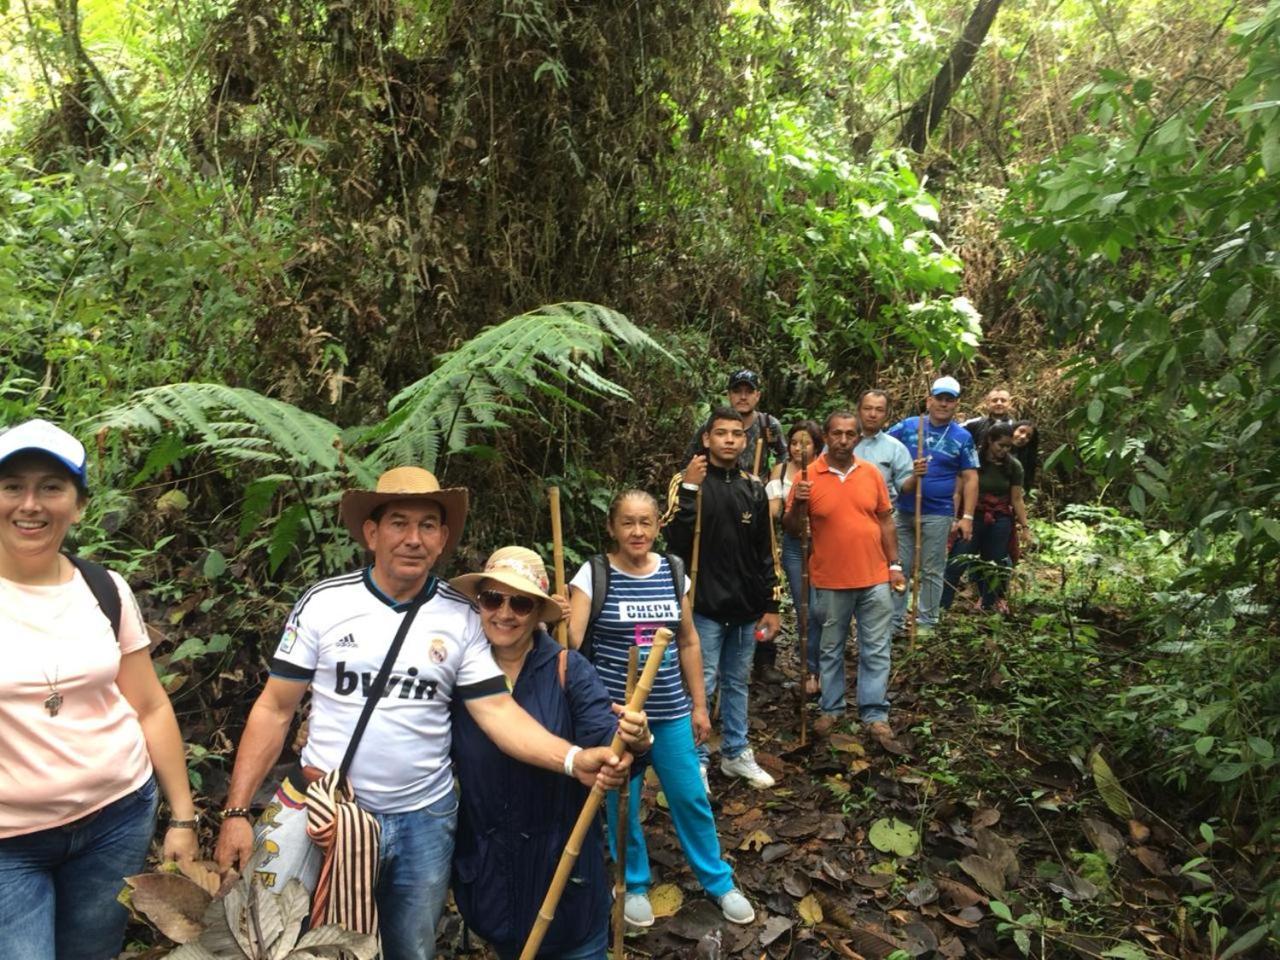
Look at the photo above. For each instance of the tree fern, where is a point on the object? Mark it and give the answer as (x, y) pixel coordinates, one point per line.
(539, 353)
(235, 424)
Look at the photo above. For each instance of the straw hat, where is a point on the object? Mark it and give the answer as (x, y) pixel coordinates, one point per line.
(518, 568)
(406, 483)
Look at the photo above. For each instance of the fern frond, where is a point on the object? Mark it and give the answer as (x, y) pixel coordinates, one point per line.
(543, 353)
(236, 423)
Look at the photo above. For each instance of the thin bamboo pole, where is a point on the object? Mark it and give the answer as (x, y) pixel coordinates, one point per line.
(573, 847)
(755, 464)
(557, 553)
(915, 556)
(624, 804)
(802, 623)
(697, 547)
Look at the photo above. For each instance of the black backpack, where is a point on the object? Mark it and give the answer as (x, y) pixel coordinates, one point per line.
(600, 573)
(103, 589)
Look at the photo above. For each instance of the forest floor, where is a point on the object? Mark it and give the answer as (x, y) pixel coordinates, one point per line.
(967, 840)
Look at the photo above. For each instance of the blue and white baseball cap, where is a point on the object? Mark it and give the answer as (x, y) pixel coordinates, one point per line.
(945, 385)
(41, 436)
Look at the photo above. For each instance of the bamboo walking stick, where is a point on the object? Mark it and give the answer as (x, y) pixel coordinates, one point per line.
(557, 552)
(915, 556)
(624, 802)
(755, 465)
(802, 625)
(573, 847)
(697, 547)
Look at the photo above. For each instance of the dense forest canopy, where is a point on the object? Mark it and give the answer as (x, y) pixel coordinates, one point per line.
(261, 250)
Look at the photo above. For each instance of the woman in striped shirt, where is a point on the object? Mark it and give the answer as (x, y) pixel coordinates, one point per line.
(641, 596)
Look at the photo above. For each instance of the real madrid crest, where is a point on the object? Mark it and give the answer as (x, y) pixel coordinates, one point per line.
(438, 651)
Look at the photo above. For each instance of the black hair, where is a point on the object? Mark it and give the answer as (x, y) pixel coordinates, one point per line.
(810, 427)
(1026, 423)
(721, 413)
(997, 431)
(837, 415)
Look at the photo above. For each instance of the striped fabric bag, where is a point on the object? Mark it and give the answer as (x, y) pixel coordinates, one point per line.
(349, 837)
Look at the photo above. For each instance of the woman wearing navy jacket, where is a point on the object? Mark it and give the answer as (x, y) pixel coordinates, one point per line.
(514, 819)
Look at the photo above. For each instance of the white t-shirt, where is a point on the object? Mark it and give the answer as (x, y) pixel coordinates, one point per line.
(337, 637)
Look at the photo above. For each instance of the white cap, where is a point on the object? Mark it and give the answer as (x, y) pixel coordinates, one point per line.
(945, 385)
(41, 436)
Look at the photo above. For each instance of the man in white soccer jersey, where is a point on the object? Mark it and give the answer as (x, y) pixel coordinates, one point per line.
(334, 643)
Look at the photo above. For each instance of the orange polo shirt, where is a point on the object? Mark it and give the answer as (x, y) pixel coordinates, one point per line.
(844, 526)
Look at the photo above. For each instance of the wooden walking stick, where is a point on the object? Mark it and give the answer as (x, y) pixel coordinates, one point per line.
(755, 465)
(802, 624)
(915, 556)
(697, 547)
(547, 912)
(620, 858)
(557, 553)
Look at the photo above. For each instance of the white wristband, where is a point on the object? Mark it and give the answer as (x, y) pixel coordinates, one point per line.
(896, 566)
(568, 760)
(967, 516)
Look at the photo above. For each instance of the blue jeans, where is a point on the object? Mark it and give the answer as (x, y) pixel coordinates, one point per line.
(675, 761)
(596, 948)
(990, 544)
(413, 878)
(934, 530)
(791, 565)
(873, 609)
(58, 886)
(727, 649)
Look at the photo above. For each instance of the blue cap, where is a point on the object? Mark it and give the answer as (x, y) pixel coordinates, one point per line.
(945, 385)
(41, 436)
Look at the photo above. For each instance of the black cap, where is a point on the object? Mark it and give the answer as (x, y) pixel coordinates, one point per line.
(744, 376)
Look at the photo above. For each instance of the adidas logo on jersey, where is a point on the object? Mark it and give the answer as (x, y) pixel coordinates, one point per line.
(409, 687)
(347, 641)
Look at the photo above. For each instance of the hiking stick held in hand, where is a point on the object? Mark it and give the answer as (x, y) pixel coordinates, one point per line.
(915, 556)
(557, 554)
(573, 847)
(624, 800)
(697, 547)
(755, 464)
(802, 621)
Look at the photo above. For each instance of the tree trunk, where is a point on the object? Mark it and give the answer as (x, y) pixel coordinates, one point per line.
(925, 113)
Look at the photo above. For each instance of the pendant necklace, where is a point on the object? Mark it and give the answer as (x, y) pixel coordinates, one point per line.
(53, 702)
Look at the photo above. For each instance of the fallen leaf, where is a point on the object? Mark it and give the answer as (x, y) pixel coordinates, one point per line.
(775, 927)
(1074, 887)
(872, 943)
(893, 836)
(988, 876)
(999, 851)
(873, 881)
(173, 903)
(847, 744)
(797, 884)
(985, 817)
(810, 910)
(696, 920)
(757, 840)
(1103, 837)
(804, 825)
(962, 922)
(832, 828)
(1139, 832)
(1153, 888)
(204, 873)
(666, 899)
(960, 895)
(922, 892)
(1153, 860)
(774, 851)
(836, 872)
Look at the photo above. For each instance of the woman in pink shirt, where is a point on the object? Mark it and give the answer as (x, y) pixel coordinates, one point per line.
(87, 728)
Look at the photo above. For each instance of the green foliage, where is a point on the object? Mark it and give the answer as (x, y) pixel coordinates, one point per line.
(1154, 242)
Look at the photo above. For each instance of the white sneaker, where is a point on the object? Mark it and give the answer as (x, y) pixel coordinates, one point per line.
(735, 907)
(637, 910)
(706, 784)
(744, 765)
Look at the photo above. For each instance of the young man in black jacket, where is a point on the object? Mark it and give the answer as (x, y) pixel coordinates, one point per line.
(736, 599)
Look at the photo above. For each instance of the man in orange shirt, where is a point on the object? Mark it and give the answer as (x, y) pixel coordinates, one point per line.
(854, 561)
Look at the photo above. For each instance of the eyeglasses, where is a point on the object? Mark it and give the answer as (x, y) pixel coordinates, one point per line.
(492, 601)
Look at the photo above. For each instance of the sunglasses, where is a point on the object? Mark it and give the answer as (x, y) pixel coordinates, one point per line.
(492, 601)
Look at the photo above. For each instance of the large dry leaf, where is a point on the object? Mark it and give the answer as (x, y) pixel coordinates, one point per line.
(922, 892)
(1109, 787)
(757, 840)
(174, 904)
(960, 895)
(195, 951)
(985, 817)
(1153, 860)
(999, 851)
(810, 910)
(774, 851)
(697, 919)
(332, 941)
(804, 825)
(835, 871)
(202, 872)
(666, 899)
(775, 927)
(989, 876)
(1074, 887)
(872, 943)
(1103, 837)
(796, 884)
(1139, 832)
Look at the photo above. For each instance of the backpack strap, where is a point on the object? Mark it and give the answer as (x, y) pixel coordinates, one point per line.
(676, 566)
(103, 589)
(599, 565)
(562, 665)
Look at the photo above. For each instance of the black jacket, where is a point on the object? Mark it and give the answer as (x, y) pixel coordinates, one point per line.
(737, 576)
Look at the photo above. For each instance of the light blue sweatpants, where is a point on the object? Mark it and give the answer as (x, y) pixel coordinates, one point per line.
(675, 759)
